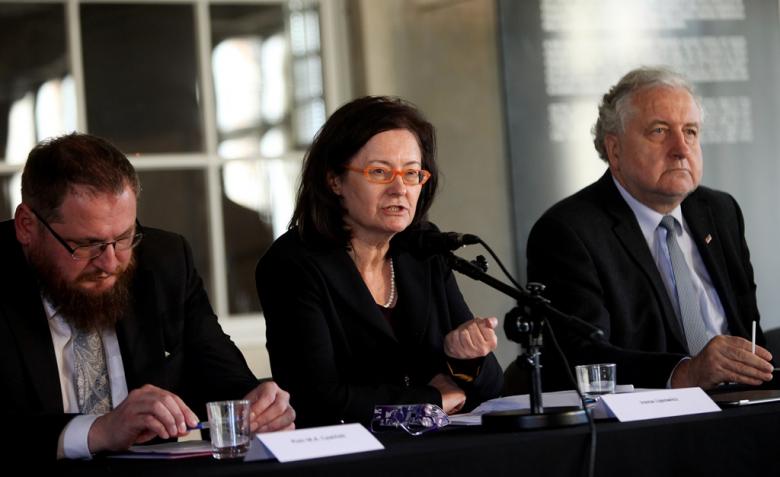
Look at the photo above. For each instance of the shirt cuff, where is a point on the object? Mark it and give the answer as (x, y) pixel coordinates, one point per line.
(669, 381)
(73, 442)
(465, 370)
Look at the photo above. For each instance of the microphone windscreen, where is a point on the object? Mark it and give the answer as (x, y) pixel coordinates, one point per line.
(431, 242)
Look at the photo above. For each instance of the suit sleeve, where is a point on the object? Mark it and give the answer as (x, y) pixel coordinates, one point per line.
(488, 377)
(743, 285)
(214, 368)
(561, 260)
(304, 359)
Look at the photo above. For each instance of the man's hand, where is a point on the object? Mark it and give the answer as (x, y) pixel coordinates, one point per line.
(147, 412)
(725, 359)
(452, 397)
(473, 339)
(271, 410)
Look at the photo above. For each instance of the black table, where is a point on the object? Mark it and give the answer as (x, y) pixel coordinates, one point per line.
(733, 442)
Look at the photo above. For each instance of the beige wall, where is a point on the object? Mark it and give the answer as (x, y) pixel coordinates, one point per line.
(442, 55)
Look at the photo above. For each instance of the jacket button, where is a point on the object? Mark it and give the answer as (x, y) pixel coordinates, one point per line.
(407, 381)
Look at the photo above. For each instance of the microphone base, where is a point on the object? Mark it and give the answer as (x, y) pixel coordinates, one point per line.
(525, 420)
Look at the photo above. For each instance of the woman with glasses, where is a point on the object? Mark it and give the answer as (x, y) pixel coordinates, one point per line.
(354, 316)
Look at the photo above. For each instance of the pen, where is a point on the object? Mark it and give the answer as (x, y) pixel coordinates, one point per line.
(200, 425)
(753, 340)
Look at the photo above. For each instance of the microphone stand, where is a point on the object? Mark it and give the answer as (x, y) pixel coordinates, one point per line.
(524, 324)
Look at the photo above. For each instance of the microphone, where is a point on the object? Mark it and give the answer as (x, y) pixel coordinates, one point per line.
(432, 242)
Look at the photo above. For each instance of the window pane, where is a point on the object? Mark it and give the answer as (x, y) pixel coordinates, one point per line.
(140, 72)
(251, 81)
(36, 90)
(257, 204)
(10, 195)
(176, 201)
(309, 104)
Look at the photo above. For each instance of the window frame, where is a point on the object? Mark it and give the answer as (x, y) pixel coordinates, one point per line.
(247, 330)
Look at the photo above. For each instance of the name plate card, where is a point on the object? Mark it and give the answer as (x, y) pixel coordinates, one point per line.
(316, 442)
(660, 403)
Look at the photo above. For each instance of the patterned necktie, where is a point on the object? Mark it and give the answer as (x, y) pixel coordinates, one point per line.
(687, 298)
(92, 387)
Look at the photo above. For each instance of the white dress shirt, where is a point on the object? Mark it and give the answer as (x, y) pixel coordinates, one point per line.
(73, 439)
(711, 307)
(709, 302)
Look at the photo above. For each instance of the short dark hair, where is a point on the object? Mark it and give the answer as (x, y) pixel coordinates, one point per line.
(319, 214)
(57, 164)
(616, 107)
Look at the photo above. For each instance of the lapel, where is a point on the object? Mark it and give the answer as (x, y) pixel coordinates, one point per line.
(413, 281)
(628, 233)
(139, 336)
(349, 289)
(21, 304)
(704, 232)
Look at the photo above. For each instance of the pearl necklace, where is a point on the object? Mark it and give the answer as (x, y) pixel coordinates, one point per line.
(393, 296)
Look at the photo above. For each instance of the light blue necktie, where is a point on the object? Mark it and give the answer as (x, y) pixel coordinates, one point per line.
(689, 311)
(92, 385)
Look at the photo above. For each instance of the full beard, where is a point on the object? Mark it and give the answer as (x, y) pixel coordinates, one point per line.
(85, 310)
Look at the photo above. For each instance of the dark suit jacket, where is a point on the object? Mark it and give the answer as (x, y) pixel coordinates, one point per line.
(331, 346)
(590, 252)
(170, 338)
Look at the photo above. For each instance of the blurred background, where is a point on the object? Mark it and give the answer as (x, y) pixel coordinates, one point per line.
(215, 103)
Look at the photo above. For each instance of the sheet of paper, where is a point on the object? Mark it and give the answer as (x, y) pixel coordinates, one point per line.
(167, 450)
(659, 403)
(316, 442)
(523, 401)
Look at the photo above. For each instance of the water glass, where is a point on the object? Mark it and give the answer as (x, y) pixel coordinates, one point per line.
(593, 380)
(229, 428)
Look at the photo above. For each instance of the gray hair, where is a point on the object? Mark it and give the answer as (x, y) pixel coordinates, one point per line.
(616, 107)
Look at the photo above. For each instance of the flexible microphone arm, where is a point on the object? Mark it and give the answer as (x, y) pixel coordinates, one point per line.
(523, 297)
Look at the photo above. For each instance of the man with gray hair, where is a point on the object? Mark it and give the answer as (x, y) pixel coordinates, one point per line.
(649, 256)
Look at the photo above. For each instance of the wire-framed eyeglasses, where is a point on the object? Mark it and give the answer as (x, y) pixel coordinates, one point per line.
(94, 250)
(386, 175)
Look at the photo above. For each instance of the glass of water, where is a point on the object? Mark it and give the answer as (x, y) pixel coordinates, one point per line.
(593, 380)
(229, 428)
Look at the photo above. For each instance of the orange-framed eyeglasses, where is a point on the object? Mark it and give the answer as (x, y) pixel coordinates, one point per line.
(386, 175)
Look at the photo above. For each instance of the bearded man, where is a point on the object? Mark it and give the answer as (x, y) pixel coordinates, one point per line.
(107, 337)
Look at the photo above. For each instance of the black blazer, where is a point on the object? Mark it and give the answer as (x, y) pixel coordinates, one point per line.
(331, 346)
(170, 338)
(590, 252)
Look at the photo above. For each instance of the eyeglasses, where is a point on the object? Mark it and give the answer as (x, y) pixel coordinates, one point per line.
(415, 419)
(94, 250)
(385, 175)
